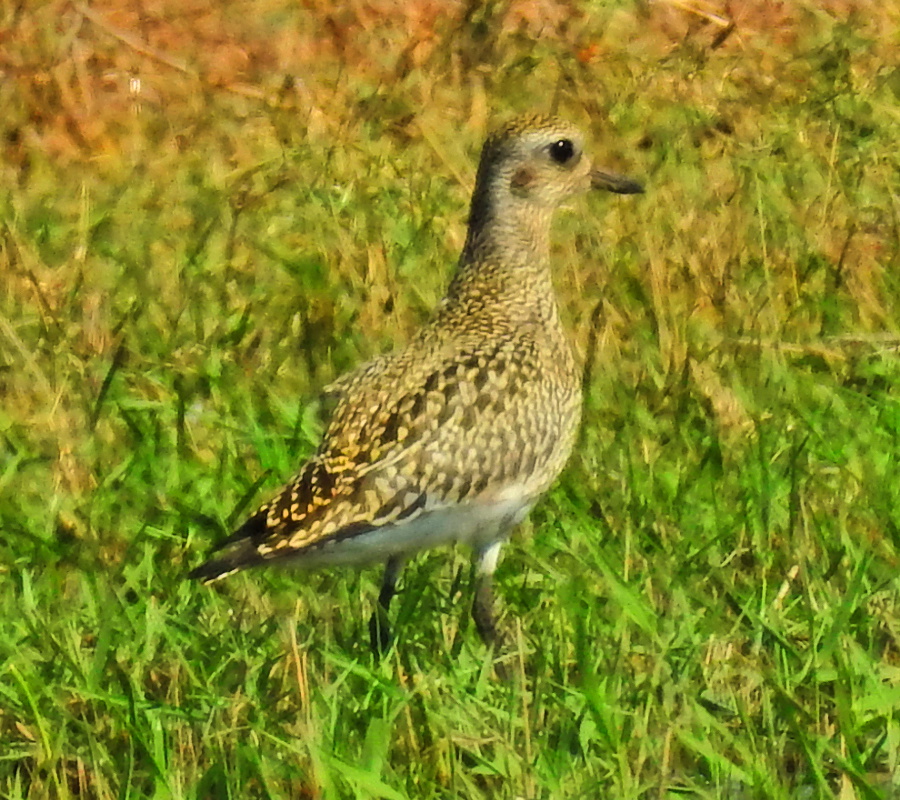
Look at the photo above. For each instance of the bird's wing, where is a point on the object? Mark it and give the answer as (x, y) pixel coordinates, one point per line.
(408, 436)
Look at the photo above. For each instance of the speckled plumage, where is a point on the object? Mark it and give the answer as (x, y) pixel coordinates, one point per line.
(454, 436)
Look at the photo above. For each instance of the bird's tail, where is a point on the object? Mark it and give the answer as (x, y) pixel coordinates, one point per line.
(237, 552)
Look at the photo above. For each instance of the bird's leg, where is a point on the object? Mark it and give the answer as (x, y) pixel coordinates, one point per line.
(483, 604)
(379, 626)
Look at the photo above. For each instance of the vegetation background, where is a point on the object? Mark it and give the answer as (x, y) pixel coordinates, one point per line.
(209, 210)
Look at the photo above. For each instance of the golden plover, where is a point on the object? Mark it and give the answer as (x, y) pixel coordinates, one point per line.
(455, 436)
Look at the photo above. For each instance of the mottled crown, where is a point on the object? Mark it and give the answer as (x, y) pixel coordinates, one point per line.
(526, 124)
(520, 133)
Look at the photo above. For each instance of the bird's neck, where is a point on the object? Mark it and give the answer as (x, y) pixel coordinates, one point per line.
(506, 224)
(506, 257)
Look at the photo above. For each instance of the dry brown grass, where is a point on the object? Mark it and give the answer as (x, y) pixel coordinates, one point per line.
(211, 209)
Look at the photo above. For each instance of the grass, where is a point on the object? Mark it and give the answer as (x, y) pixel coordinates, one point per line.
(705, 605)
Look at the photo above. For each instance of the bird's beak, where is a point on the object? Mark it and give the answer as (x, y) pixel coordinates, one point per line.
(614, 183)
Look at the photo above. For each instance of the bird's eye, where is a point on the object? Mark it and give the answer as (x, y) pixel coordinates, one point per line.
(562, 151)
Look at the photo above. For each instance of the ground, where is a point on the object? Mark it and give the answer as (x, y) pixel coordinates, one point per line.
(210, 210)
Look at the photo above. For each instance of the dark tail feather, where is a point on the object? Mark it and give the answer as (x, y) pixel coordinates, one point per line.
(240, 550)
(218, 568)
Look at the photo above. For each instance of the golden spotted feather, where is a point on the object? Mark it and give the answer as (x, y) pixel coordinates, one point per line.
(470, 421)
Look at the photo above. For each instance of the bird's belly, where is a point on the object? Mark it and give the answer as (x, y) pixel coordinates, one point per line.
(473, 524)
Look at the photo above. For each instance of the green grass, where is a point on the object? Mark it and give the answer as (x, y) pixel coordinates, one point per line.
(705, 606)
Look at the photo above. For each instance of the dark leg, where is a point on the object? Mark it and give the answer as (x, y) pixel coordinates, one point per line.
(379, 626)
(483, 605)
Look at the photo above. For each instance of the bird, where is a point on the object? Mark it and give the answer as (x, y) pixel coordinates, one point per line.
(453, 437)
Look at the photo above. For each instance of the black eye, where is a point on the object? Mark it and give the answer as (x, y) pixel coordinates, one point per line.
(562, 151)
